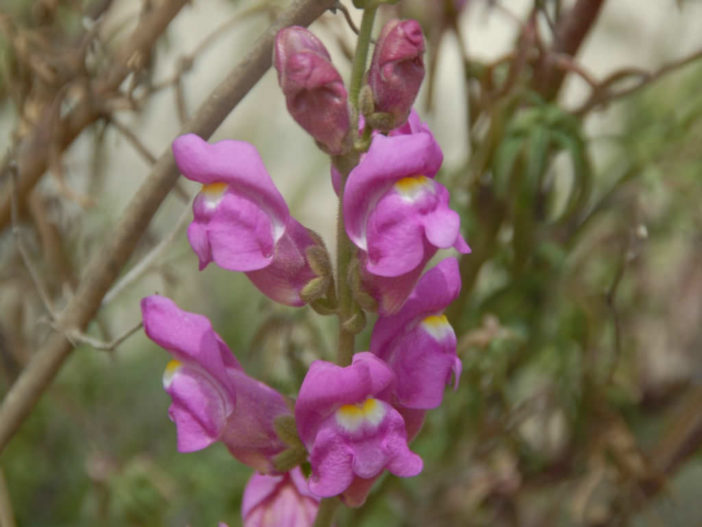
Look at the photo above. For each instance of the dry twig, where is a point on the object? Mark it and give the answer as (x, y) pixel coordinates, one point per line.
(109, 259)
(24, 254)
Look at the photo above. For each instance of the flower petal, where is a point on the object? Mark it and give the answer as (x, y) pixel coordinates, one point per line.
(289, 270)
(328, 386)
(240, 234)
(189, 337)
(236, 163)
(436, 289)
(388, 160)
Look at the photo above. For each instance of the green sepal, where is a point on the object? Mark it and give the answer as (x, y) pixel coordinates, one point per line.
(366, 104)
(323, 306)
(360, 295)
(314, 289)
(355, 323)
(318, 258)
(289, 459)
(367, 302)
(286, 429)
(382, 121)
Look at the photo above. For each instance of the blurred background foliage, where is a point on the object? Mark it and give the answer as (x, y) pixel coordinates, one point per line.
(578, 324)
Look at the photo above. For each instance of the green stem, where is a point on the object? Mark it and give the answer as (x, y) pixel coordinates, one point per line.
(344, 254)
(344, 248)
(361, 55)
(325, 515)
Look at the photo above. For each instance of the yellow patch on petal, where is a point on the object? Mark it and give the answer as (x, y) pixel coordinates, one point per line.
(352, 416)
(437, 326)
(214, 188)
(411, 187)
(171, 368)
(213, 192)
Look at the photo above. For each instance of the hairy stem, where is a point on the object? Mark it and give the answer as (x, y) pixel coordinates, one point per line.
(361, 55)
(344, 248)
(344, 253)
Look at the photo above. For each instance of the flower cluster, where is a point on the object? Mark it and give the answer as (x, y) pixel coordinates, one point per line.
(350, 423)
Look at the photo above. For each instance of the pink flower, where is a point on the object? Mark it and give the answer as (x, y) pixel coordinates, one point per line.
(279, 501)
(213, 399)
(418, 343)
(397, 68)
(397, 215)
(348, 427)
(241, 222)
(314, 91)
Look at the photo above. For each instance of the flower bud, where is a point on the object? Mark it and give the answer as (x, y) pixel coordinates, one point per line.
(314, 91)
(397, 69)
(277, 501)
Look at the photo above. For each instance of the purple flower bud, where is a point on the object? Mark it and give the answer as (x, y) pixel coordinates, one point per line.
(279, 501)
(314, 91)
(213, 398)
(397, 68)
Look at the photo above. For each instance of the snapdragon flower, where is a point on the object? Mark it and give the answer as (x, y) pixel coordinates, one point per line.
(348, 426)
(397, 214)
(213, 398)
(241, 221)
(279, 501)
(418, 343)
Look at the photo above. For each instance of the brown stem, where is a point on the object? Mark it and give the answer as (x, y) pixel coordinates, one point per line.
(603, 93)
(570, 34)
(109, 259)
(33, 153)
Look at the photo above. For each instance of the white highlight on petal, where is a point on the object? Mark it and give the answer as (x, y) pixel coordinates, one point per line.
(437, 326)
(412, 187)
(212, 194)
(352, 416)
(171, 369)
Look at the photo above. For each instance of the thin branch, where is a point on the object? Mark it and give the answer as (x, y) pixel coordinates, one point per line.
(133, 140)
(33, 152)
(602, 94)
(568, 64)
(77, 337)
(24, 254)
(341, 7)
(185, 63)
(570, 33)
(144, 265)
(109, 259)
(630, 251)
